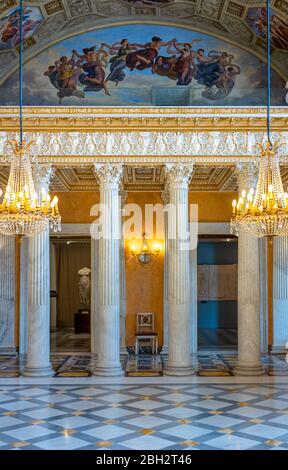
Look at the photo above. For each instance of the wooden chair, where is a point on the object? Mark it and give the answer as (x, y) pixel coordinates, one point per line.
(145, 332)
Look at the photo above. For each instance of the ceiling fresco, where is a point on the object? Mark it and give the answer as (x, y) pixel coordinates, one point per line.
(143, 65)
(236, 27)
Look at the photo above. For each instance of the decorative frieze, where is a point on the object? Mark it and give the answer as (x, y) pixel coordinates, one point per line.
(84, 148)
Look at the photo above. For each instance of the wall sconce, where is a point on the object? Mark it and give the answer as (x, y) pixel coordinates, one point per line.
(145, 254)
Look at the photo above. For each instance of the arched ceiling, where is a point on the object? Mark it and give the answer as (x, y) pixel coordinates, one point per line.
(225, 19)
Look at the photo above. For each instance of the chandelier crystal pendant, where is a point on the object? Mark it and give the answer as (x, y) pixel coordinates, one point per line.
(264, 213)
(22, 210)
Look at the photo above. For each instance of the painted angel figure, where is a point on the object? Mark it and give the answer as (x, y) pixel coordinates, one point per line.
(118, 61)
(84, 286)
(145, 58)
(94, 69)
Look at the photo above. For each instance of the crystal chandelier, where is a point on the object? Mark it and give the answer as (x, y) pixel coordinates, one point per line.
(22, 211)
(264, 213)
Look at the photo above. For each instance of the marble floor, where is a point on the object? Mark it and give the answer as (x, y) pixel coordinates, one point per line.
(152, 414)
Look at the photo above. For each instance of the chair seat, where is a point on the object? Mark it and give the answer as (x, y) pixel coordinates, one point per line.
(146, 333)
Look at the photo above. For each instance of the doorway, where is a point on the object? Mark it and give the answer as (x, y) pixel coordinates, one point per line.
(217, 293)
(70, 318)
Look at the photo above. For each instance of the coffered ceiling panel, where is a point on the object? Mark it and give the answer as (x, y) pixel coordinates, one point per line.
(135, 178)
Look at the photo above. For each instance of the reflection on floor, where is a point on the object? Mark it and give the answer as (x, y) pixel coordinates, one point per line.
(65, 340)
(205, 365)
(144, 365)
(144, 416)
(217, 338)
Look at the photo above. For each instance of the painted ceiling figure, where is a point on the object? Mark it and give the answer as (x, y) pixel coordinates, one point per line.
(144, 58)
(118, 61)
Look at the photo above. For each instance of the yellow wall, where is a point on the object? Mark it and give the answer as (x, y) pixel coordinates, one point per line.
(144, 283)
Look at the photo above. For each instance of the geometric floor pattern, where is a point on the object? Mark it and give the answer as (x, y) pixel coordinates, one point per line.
(144, 417)
(205, 365)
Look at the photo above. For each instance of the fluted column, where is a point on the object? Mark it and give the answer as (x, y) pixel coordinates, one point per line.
(7, 295)
(193, 301)
(249, 344)
(94, 297)
(164, 350)
(53, 287)
(179, 347)
(123, 347)
(280, 294)
(38, 353)
(108, 344)
(263, 253)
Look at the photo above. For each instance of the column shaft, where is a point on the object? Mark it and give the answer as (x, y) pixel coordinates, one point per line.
(179, 349)
(280, 294)
(123, 348)
(108, 346)
(38, 354)
(193, 301)
(38, 350)
(94, 296)
(7, 295)
(164, 350)
(249, 345)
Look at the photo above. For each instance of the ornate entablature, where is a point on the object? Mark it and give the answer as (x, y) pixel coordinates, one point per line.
(143, 119)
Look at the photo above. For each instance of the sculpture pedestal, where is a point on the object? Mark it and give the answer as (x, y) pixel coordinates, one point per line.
(82, 321)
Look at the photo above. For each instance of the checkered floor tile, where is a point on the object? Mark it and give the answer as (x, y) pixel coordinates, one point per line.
(145, 417)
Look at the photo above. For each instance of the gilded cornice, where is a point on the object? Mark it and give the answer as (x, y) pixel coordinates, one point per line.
(120, 119)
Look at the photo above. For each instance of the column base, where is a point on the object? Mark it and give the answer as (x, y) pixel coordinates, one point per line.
(180, 371)
(164, 351)
(278, 349)
(30, 371)
(103, 371)
(123, 352)
(8, 351)
(246, 370)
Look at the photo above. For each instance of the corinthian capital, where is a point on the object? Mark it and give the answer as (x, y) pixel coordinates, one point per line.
(42, 175)
(178, 175)
(108, 173)
(247, 174)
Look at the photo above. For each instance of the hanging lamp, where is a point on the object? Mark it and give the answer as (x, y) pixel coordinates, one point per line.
(22, 211)
(264, 212)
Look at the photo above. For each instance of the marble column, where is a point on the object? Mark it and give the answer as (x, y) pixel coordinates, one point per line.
(179, 346)
(123, 347)
(249, 343)
(280, 294)
(53, 287)
(38, 353)
(263, 253)
(7, 295)
(94, 297)
(164, 350)
(23, 336)
(108, 318)
(193, 301)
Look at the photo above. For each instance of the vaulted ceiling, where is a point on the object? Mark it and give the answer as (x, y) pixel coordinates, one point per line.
(225, 19)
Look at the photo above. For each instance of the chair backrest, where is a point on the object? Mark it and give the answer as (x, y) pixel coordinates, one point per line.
(145, 322)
